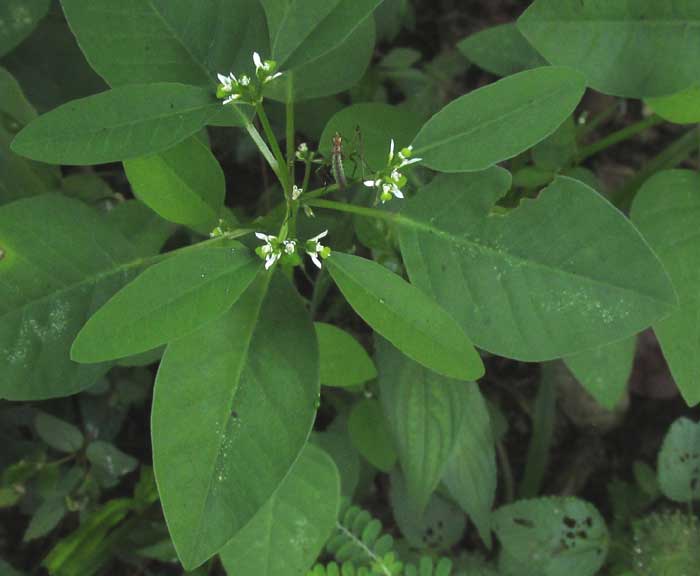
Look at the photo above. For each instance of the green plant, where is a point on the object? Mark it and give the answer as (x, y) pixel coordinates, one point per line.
(199, 237)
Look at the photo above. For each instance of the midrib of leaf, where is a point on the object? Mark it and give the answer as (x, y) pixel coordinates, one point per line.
(409, 222)
(187, 49)
(518, 111)
(262, 293)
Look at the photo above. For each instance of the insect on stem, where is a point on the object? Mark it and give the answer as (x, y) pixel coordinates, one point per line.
(337, 162)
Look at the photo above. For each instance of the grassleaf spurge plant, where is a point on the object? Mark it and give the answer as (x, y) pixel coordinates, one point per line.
(314, 243)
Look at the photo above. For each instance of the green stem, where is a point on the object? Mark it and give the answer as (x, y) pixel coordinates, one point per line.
(359, 210)
(258, 139)
(282, 172)
(669, 158)
(291, 148)
(616, 137)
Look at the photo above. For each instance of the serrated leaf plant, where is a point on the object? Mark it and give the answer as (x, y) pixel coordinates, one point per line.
(308, 244)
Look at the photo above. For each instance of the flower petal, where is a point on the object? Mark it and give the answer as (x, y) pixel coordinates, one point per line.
(257, 61)
(319, 236)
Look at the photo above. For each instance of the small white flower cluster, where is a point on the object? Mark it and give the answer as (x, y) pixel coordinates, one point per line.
(302, 153)
(275, 249)
(296, 192)
(232, 89)
(390, 181)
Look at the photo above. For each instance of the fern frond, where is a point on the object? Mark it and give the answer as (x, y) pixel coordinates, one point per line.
(426, 567)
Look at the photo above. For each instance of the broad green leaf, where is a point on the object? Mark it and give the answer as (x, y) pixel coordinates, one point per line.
(501, 50)
(553, 536)
(335, 71)
(368, 432)
(557, 275)
(679, 462)
(470, 474)
(499, 121)
(378, 124)
(144, 228)
(302, 31)
(681, 108)
(17, 19)
(405, 316)
(287, 534)
(137, 41)
(667, 212)
(168, 301)
(336, 443)
(559, 149)
(631, 49)
(426, 414)
(60, 262)
(118, 124)
(19, 177)
(604, 371)
(343, 361)
(57, 433)
(185, 184)
(437, 527)
(233, 406)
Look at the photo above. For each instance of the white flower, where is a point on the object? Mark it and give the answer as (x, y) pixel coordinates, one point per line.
(372, 183)
(315, 249)
(391, 188)
(257, 61)
(231, 98)
(275, 75)
(391, 151)
(290, 246)
(270, 250)
(296, 192)
(405, 157)
(396, 175)
(227, 81)
(244, 81)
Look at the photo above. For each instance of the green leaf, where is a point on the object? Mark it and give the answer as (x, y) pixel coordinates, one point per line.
(499, 121)
(136, 42)
(537, 282)
(17, 19)
(337, 70)
(681, 108)
(470, 474)
(378, 124)
(679, 462)
(302, 31)
(405, 316)
(617, 44)
(57, 433)
(667, 212)
(435, 527)
(185, 184)
(426, 414)
(604, 371)
(501, 50)
(118, 124)
(233, 406)
(60, 262)
(287, 534)
(553, 536)
(110, 459)
(45, 519)
(20, 178)
(344, 362)
(144, 228)
(168, 301)
(369, 434)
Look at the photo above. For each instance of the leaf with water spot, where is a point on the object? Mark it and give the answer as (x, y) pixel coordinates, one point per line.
(667, 212)
(233, 406)
(60, 262)
(557, 275)
(287, 534)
